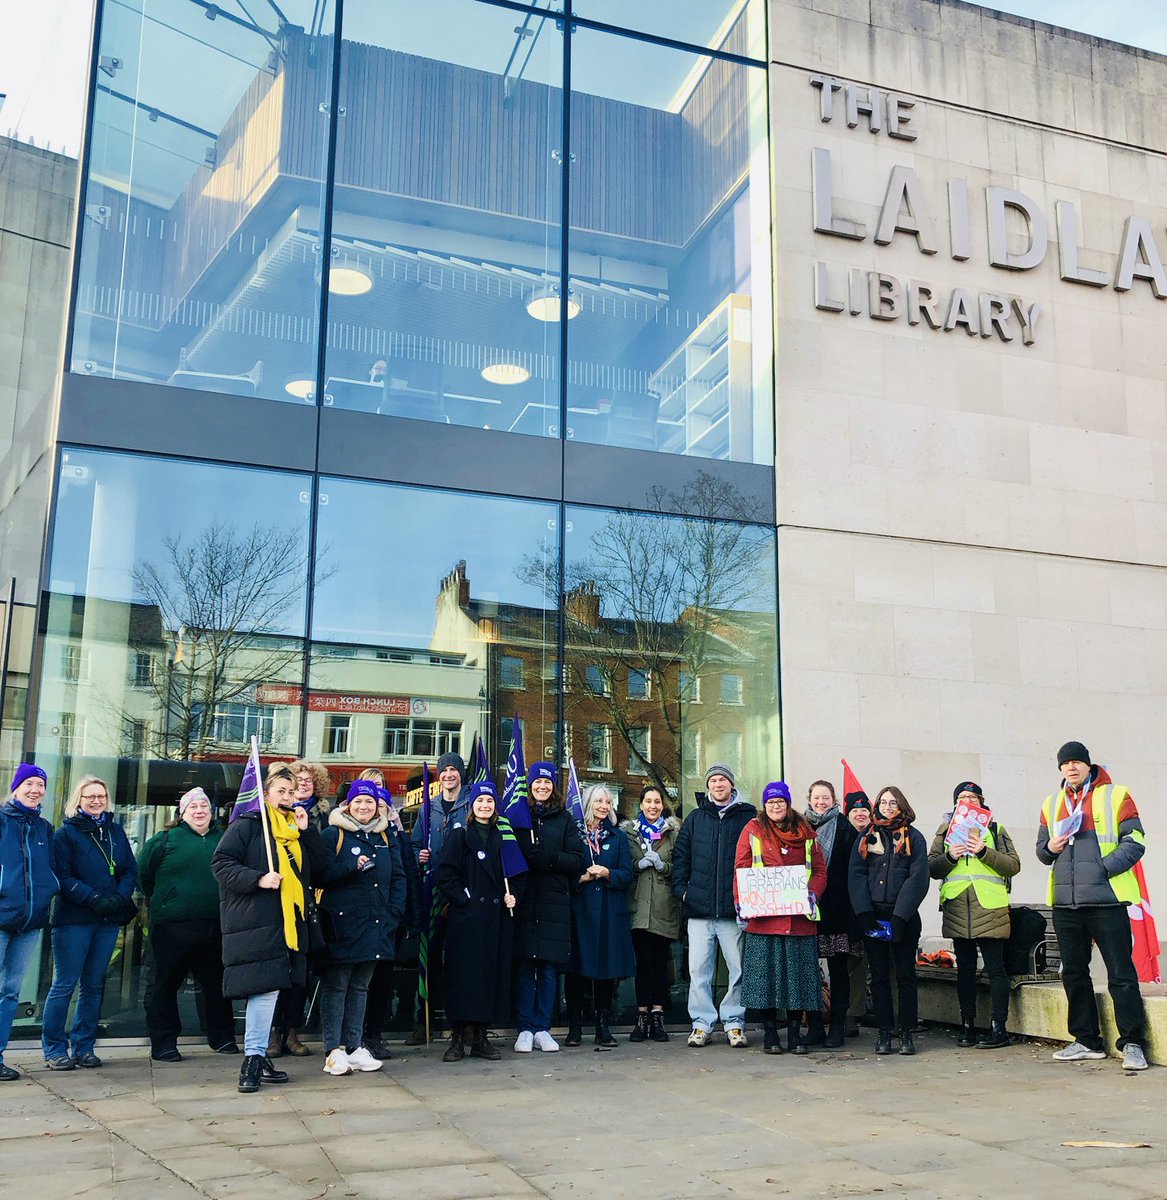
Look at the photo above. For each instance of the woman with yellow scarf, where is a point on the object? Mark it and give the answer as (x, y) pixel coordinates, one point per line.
(262, 912)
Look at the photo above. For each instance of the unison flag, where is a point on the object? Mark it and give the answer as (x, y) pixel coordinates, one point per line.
(429, 895)
(851, 785)
(1145, 948)
(516, 806)
(479, 767)
(251, 787)
(574, 796)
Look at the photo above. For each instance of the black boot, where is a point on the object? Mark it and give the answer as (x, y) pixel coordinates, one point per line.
(794, 1042)
(968, 1032)
(907, 1046)
(481, 1046)
(815, 1034)
(417, 1036)
(376, 1046)
(268, 1073)
(657, 1030)
(836, 1037)
(604, 1038)
(771, 1042)
(574, 1030)
(883, 1042)
(456, 1050)
(249, 1073)
(994, 1039)
(640, 1032)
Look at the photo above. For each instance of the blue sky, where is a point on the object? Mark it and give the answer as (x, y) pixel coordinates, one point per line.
(43, 51)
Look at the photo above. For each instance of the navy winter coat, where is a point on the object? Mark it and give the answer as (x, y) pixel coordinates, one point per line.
(601, 942)
(703, 858)
(359, 910)
(889, 884)
(27, 881)
(555, 854)
(92, 860)
(442, 821)
(256, 958)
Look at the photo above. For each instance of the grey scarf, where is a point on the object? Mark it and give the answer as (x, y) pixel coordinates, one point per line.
(824, 826)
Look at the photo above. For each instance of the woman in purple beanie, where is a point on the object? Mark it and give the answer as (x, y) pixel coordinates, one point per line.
(27, 887)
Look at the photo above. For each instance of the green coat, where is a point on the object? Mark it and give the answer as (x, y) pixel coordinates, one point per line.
(650, 898)
(964, 917)
(174, 873)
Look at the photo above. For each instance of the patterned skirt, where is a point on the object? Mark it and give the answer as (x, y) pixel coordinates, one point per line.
(781, 971)
(831, 944)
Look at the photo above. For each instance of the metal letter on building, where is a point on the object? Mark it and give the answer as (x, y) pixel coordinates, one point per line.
(1139, 257)
(1069, 234)
(822, 200)
(905, 193)
(997, 199)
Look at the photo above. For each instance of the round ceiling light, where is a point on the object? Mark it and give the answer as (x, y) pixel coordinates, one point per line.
(505, 373)
(302, 389)
(348, 281)
(544, 306)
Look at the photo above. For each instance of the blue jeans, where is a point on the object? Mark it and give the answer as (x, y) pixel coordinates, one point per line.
(704, 938)
(257, 1027)
(344, 992)
(81, 955)
(536, 987)
(15, 951)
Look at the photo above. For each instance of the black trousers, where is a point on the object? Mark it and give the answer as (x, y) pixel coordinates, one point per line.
(575, 990)
(377, 1002)
(900, 956)
(182, 948)
(652, 968)
(1109, 928)
(290, 1008)
(993, 952)
(839, 974)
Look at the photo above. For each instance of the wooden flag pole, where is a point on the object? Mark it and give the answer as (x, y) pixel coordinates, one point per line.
(506, 887)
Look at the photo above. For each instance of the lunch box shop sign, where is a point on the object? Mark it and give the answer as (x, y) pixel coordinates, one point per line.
(907, 209)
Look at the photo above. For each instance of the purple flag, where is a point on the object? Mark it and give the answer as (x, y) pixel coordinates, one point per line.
(251, 787)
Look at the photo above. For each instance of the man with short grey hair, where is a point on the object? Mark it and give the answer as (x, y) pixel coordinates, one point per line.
(703, 874)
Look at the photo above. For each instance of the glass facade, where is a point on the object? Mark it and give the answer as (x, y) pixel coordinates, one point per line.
(537, 238)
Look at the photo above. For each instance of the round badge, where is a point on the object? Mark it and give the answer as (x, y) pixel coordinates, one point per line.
(355, 850)
(482, 854)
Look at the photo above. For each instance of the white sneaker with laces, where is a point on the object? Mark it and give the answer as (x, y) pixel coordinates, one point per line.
(699, 1037)
(525, 1042)
(337, 1063)
(1133, 1058)
(1075, 1052)
(362, 1060)
(736, 1036)
(544, 1041)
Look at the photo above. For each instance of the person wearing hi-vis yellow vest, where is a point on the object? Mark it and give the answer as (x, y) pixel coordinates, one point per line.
(1091, 835)
(974, 898)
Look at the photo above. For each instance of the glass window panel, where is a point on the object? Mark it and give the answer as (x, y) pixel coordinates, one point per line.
(454, 220)
(670, 345)
(673, 599)
(737, 26)
(439, 601)
(638, 683)
(200, 248)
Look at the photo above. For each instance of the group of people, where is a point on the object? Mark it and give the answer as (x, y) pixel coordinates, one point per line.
(294, 886)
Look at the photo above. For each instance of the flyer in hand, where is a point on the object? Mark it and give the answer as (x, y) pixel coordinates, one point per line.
(967, 815)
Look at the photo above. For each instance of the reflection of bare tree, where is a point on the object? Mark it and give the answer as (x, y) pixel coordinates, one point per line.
(663, 597)
(225, 594)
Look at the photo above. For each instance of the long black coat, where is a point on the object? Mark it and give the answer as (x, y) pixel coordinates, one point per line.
(479, 930)
(256, 958)
(360, 910)
(555, 853)
(703, 858)
(835, 914)
(889, 884)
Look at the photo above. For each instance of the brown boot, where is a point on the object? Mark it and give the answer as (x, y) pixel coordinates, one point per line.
(481, 1046)
(456, 1050)
(275, 1043)
(293, 1045)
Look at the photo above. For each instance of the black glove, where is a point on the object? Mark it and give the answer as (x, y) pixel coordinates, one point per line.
(540, 857)
(898, 928)
(106, 906)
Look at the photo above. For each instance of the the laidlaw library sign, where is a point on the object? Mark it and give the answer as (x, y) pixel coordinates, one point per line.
(907, 209)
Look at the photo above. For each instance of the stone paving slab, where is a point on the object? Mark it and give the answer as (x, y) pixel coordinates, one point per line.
(642, 1123)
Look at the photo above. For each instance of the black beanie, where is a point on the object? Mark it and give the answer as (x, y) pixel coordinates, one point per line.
(1074, 752)
(968, 786)
(856, 800)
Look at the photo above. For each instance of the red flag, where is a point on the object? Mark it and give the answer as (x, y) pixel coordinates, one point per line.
(1145, 950)
(851, 785)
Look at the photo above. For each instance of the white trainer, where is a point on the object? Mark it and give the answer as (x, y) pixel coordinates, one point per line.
(544, 1041)
(361, 1060)
(337, 1063)
(525, 1042)
(1076, 1052)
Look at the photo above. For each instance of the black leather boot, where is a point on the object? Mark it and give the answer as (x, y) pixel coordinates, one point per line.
(994, 1039)
(815, 1034)
(657, 1030)
(883, 1042)
(968, 1032)
(771, 1042)
(456, 1050)
(907, 1046)
(374, 1043)
(268, 1073)
(640, 1032)
(604, 1038)
(794, 1042)
(836, 1037)
(249, 1071)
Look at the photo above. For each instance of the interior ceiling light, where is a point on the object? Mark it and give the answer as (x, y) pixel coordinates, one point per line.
(302, 389)
(348, 281)
(505, 373)
(544, 305)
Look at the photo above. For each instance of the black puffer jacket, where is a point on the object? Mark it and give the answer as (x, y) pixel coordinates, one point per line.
(256, 958)
(703, 857)
(889, 884)
(555, 853)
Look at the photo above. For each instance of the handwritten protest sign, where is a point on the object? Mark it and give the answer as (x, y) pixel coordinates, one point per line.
(774, 892)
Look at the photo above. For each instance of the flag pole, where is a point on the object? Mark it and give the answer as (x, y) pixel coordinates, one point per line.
(263, 817)
(506, 887)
